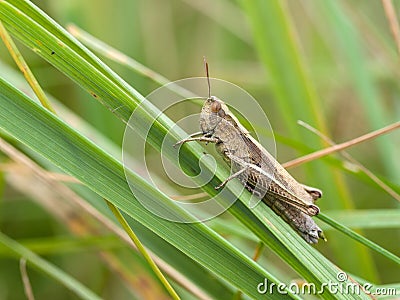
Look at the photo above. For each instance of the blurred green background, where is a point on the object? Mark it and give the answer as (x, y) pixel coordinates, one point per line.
(351, 67)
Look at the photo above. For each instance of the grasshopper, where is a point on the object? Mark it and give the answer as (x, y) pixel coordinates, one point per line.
(257, 169)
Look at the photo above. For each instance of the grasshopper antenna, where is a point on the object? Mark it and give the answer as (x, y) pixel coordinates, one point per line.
(208, 77)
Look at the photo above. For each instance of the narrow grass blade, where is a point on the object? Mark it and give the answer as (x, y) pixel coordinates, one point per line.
(49, 269)
(359, 238)
(142, 250)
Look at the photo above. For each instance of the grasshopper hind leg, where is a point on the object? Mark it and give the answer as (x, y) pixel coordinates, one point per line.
(314, 192)
(235, 175)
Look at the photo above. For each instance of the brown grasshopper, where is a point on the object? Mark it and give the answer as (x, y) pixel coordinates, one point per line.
(257, 169)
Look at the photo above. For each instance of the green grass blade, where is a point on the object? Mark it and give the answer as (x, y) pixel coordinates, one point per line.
(142, 250)
(111, 53)
(278, 51)
(66, 244)
(49, 269)
(368, 218)
(359, 238)
(58, 31)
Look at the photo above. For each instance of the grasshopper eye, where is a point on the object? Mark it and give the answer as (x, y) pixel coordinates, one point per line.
(215, 107)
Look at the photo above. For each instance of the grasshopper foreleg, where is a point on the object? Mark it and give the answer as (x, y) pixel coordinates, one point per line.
(193, 137)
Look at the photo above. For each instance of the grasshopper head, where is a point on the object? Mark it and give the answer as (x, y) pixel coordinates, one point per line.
(212, 113)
